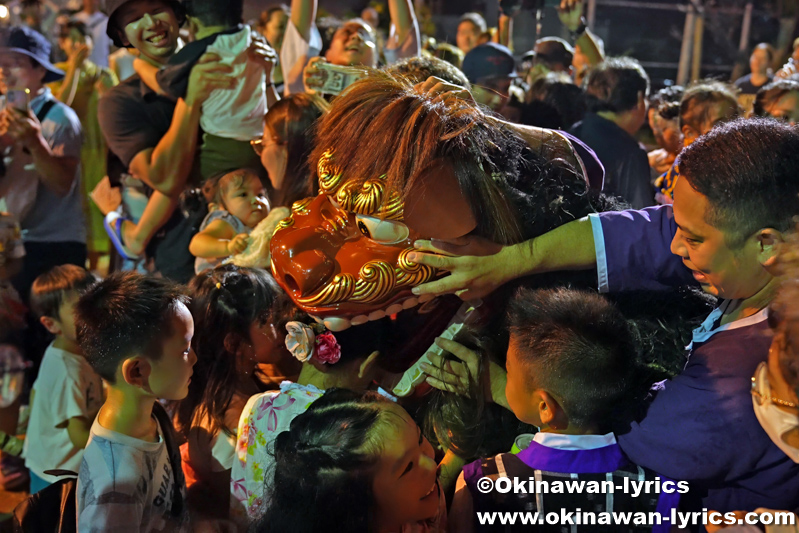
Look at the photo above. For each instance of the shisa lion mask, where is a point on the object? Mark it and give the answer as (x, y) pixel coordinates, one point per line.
(343, 255)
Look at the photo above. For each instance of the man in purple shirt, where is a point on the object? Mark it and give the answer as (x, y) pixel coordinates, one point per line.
(734, 203)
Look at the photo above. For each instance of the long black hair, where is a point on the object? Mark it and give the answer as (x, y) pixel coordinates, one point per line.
(225, 300)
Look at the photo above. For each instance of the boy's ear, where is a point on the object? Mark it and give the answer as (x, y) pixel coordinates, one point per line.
(551, 413)
(770, 241)
(51, 324)
(136, 371)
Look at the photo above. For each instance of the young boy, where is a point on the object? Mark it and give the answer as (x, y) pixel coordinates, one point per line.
(67, 393)
(572, 372)
(231, 116)
(136, 333)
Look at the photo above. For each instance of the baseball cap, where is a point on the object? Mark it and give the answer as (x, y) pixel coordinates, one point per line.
(489, 60)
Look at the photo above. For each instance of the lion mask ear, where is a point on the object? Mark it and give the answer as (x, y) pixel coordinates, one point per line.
(435, 207)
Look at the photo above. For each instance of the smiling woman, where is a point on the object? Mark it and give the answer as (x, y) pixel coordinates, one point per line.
(364, 464)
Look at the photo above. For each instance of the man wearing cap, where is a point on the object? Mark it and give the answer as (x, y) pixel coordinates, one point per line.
(154, 137)
(45, 143)
(490, 68)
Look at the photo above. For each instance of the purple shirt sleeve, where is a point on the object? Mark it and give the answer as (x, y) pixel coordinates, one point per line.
(633, 250)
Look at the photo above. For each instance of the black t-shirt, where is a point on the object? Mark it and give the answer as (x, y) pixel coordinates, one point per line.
(747, 87)
(134, 118)
(627, 172)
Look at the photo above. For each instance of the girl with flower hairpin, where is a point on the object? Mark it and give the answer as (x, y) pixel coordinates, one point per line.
(346, 359)
(239, 316)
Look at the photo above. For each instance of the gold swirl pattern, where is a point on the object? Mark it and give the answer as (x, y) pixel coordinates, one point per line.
(340, 289)
(300, 207)
(410, 273)
(283, 224)
(377, 281)
(329, 176)
(368, 199)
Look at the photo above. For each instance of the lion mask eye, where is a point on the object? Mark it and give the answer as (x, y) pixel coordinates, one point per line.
(382, 231)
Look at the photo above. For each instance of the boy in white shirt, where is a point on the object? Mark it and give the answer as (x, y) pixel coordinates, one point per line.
(136, 333)
(67, 393)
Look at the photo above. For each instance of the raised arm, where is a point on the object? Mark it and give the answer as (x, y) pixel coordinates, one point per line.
(568, 247)
(303, 15)
(571, 16)
(403, 18)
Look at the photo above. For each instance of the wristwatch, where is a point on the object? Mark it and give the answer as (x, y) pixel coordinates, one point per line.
(576, 34)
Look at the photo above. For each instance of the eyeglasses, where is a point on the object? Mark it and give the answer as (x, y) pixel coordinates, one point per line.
(761, 390)
(258, 146)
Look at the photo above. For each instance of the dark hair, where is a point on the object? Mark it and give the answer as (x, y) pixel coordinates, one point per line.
(324, 465)
(419, 68)
(50, 289)
(577, 346)
(125, 315)
(73, 24)
(476, 19)
(771, 94)
(225, 300)
(214, 12)
(666, 102)
(615, 84)
(293, 119)
(700, 98)
(266, 15)
(423, 132)
(564, 103)
(749, 171)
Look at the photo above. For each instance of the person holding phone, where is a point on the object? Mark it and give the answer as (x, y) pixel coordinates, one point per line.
(45, 142)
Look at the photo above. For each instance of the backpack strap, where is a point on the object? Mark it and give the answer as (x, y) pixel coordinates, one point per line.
(168, 434)
(45, 109)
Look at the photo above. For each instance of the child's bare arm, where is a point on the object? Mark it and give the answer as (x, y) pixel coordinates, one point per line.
(217, 240)
(78, 429)
(147, 73)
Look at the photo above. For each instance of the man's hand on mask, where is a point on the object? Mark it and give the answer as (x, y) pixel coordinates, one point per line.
(443, 90)
(477, 266)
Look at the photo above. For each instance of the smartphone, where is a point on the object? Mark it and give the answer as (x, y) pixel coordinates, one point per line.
(338, 77)
(19, 99)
